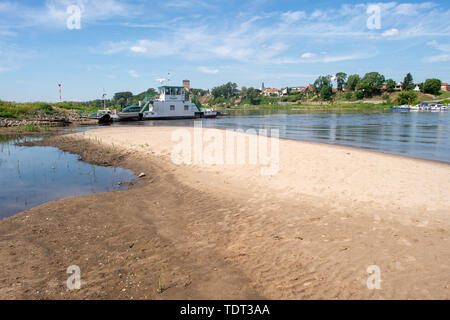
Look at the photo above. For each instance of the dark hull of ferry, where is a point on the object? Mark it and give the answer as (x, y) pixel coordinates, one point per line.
(107, 118)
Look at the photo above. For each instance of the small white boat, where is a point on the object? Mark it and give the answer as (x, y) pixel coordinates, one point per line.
(209, 113)
(434, 107)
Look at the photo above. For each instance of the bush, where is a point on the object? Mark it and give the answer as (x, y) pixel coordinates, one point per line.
(407, 97)
(432, 86)
(348, 96)
(359, 94)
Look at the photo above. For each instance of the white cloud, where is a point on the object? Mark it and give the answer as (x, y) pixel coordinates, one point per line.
(390, 33)
(54, 12)
(292, 16)
(133, 73)
(329, 59)
(266, 37)
(439, 58)
(308, 55)
(138, 49)
(317, 14)
(441, 47)
(182, 4)
(208, 70)
(410, 9)
(323, 59)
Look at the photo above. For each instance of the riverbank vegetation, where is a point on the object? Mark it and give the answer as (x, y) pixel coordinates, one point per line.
(33, 110)
(339, 91)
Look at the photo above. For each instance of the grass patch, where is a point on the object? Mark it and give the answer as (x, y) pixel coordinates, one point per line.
(22, 110)
(28, 128)
(444, 95)
(31, 109)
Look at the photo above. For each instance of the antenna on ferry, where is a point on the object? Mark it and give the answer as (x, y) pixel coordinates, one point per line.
(103, 97)
(168, 78)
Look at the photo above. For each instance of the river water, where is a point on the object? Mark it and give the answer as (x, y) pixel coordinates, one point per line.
(31, 176)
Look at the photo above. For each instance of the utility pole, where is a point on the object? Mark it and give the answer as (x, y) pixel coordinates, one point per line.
(60, 100)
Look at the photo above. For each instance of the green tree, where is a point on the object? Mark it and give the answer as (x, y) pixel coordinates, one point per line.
(326, 92)
(408, 83)
(371, 83)
(323, 87)
(243, 91)
(352, 82)
(252, 96)
(390, 85)
(121, 98)
(341, 77)
(322, 81)
(225, 91)
(407, 97)
(432, 86)
(359, 94)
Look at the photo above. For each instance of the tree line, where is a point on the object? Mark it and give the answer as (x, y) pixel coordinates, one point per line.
(372, 83)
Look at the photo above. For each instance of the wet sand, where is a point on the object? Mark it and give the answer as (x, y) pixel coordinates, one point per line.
(203, 231)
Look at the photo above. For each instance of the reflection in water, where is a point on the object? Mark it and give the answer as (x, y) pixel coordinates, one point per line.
(31, 176)
(416, 134)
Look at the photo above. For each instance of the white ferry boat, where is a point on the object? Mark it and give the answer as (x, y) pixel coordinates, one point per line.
(173, 104)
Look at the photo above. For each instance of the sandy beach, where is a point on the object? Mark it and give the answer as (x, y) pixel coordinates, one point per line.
(226, 231)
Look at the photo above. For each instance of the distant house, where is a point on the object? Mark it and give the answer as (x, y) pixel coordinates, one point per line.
(271, 91)
(417, 88)
(445, 86)
(399, 86)
(297, 89)
(308, 89)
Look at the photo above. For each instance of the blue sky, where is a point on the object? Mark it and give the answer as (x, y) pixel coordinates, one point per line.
(128, 45)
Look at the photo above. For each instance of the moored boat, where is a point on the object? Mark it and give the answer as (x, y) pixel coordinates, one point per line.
(173, 103)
